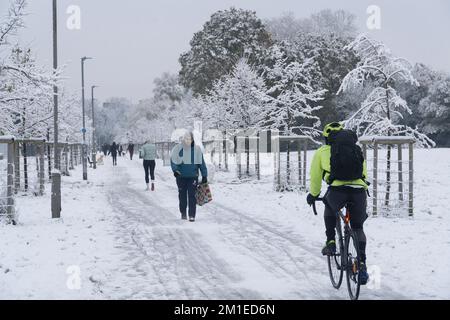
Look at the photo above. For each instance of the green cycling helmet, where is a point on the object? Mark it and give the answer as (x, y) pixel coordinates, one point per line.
(333, 126)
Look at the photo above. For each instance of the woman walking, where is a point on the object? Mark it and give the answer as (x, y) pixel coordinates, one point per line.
(131, 150)
(186, 160)
(148, 154)
(113, 152)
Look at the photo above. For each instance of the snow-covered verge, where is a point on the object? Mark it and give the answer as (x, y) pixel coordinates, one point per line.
(41, 258)
(250, 242)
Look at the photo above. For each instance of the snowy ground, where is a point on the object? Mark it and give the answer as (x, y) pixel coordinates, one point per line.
(249, 243)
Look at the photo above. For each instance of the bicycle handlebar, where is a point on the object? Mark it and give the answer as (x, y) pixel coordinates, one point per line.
(314, 205)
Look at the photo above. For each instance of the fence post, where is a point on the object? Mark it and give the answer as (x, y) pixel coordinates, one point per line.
(71, 167)
(41, 169)
(66, 159)
(400, 172)
(364, 149)
(258, 165)
(10, 182)
(75, 156)
(16, 162)
(299, 159)
(375, 178)
(305, 146)
(411, 179)
(225, 149)
(56, 195)
(49, 160)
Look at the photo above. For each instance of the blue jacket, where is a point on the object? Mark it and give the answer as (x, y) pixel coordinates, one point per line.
(188, 166)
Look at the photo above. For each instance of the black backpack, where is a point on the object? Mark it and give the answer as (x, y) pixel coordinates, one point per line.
(346, 156)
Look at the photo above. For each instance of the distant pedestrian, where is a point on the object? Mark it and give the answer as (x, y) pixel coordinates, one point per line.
(113, 151)
(148, 154)
(120, 150)
(131, 150)
(186, 160)
(105, 149)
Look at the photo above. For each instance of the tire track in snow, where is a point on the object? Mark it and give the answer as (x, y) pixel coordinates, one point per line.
(277, 250)
(178, 263)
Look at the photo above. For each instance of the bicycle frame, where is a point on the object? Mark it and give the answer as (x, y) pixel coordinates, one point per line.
(344, 238)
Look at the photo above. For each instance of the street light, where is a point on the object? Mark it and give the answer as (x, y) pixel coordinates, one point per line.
(94, 151)
(84, 119)
(56, 176)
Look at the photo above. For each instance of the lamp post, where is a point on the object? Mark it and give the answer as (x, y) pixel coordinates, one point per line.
(56, 176)
(94, 151)
(84, 119)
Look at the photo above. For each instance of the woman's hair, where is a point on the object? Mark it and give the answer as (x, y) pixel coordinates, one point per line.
(189, 134)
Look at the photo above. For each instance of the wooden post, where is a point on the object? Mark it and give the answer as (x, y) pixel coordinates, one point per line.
(247, 154)
(220, 154)
(56, 195)
(258, 167)
(400, 173)
(41, 169)
(66, 160)
(305, 146)
(16, 167)
(375, 178)
(10, 186)
(364, 149)
(49, 160)
(411, 179)
(25, 165)
(299, 160)
(71, 167)
(225, 147)
(278, 164)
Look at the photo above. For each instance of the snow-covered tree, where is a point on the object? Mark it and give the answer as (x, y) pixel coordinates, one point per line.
(26, 96)
(435, 109)
(294, 100)
(227, 37)
(238, 98)
(26, 89)
(382, 110)
(287, 27)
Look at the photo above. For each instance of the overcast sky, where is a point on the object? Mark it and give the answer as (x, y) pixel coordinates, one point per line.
(134, 41)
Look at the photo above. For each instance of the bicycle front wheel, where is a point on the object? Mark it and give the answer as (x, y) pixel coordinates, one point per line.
(353, 266)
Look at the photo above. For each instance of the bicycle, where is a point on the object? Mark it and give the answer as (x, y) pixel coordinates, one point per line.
(347, 254)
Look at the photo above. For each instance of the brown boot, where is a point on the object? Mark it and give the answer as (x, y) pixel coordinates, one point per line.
(153, 186)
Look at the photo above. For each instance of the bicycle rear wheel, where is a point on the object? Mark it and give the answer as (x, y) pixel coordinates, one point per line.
(335, 267)
(352, 269)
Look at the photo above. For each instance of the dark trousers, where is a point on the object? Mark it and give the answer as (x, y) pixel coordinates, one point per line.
(131, 154)
(356, 199)
(186, 192)
(149, 165)
(114, 158)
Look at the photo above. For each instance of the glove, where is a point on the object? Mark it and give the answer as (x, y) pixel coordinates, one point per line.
(204, 180)
(310, 199)
(177, 174)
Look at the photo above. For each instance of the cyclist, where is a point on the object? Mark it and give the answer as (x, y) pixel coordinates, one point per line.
(341, 191)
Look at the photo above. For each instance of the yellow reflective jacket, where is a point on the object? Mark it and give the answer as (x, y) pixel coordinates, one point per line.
(320, 169)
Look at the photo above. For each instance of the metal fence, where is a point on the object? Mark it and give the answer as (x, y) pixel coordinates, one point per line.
(26, 166)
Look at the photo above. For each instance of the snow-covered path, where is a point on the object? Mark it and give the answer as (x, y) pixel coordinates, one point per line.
(225, 254)
(122, 242)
